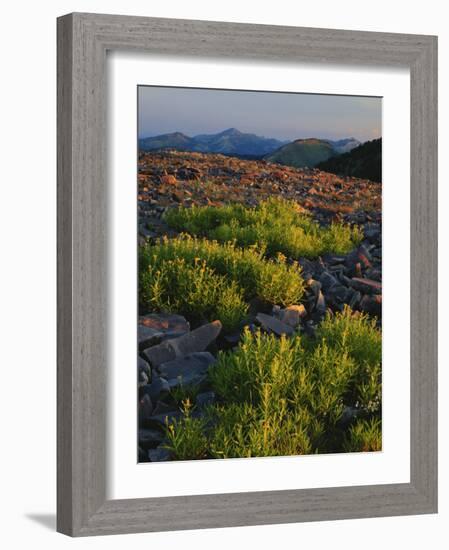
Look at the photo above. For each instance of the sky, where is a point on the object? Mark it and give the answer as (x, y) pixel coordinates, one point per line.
(285, 116)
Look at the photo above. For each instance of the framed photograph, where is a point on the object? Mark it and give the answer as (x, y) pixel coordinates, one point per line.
(247, 274)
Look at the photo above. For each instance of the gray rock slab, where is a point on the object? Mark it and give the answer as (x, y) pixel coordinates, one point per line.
(158, 387)
(148, 336)
(327, 281)
(170, 325)
(271, 324)
(367, 286)
(195, 341)
(188, 379)
(194, 363)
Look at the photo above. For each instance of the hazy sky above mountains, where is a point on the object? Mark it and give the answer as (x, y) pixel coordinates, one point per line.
(283, 116)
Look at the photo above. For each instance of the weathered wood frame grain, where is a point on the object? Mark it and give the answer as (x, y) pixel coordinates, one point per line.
(83, 40)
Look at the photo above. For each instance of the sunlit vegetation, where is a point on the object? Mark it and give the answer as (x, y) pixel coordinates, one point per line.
(289, 396)
(275, 226)
(204, 279)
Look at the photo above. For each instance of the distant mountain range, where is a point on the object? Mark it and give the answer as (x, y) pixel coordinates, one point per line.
(365, 161)
(302, 152)
(299, 153)
(344, 145)
(228, 142)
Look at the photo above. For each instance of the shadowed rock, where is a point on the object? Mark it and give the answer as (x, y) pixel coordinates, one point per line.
(372, 304)
(169, 325)
(148, 336)
(143, 371)
(163, 408)
(292, 315)
(367, 286)
(157, 387)
(149, 438)
(192, 342)
(145, 407)
(187, 368)
(271, 324)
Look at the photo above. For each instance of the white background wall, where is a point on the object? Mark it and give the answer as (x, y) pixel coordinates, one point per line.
(27, 272)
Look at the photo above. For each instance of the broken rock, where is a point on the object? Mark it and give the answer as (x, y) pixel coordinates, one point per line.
(271, 324)
(292, 315)
(187, 370)
(192, 342)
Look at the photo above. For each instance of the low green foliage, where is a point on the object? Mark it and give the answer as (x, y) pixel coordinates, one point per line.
(194, 290)
(187, 439)
(286, 396)
(363, 436)
(356, 334)
(274, 226)
(189, 273)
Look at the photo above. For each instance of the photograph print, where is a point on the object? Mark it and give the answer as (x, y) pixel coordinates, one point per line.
(259, 274)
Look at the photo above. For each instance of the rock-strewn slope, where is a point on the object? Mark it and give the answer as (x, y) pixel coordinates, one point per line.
(170, 351)
(172, 178)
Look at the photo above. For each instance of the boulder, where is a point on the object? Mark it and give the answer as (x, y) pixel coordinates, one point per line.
(371, 304)
(327, 281)
(192, 342)
(163, 408)
(149, 438)
(372, 232)
(337, 293)
(271, 324)
(143, 371)
(157, 387)
(367, 286)
(145, 407)
(355, 299)
(292, 315)
(148, 336)
(187, 370)
(169, 325)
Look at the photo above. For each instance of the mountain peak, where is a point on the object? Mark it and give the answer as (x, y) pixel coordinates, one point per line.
(231, 132)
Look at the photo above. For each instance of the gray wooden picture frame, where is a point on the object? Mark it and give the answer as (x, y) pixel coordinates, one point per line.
(83, 40)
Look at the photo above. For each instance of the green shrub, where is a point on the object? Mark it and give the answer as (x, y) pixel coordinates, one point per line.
(275, 226)
(243, 431)
(286, 396)
(186, 439)
(271, 281)
(195, 291)
(364, 436)
(356, 334)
